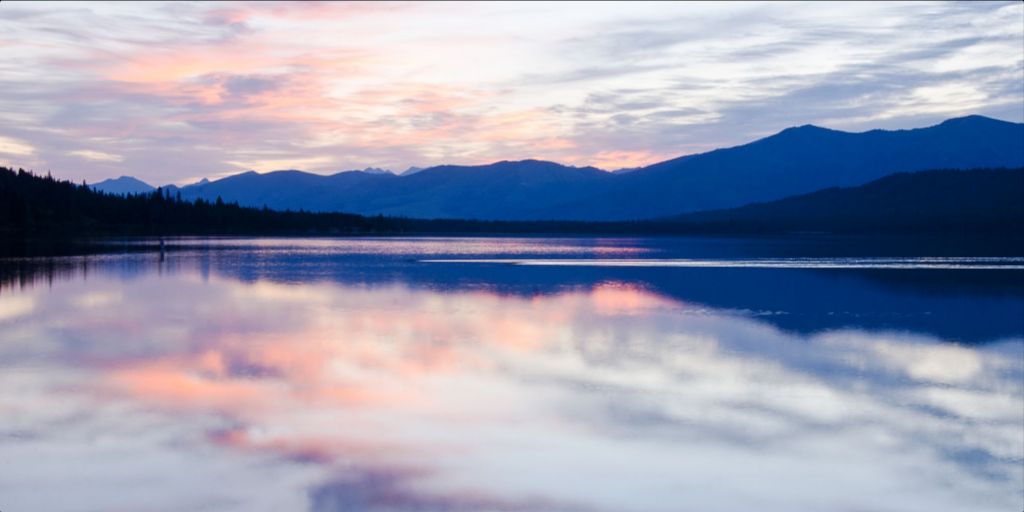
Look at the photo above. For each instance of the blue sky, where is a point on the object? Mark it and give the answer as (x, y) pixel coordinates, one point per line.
(170, 92)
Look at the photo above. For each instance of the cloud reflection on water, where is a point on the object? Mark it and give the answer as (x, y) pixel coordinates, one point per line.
(221, 394)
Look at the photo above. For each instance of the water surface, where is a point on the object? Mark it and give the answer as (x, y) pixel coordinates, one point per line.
(494, 374)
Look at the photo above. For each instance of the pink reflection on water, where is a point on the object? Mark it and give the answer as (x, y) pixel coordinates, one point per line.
(360, 362)
(603, 395)
(623, 298)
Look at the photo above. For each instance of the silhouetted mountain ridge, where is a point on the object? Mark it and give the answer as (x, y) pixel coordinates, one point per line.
(958, 203)
(794, 161)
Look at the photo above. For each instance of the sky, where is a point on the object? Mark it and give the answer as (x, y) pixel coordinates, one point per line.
(173, 92)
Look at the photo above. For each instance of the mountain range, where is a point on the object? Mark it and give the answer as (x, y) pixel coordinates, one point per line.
(794, 161)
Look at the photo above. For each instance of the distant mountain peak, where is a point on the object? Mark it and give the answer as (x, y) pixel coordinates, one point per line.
(806, 128)
(538, 164)
(368, 170)
(970, 119)
(125, 179)
(123, 185)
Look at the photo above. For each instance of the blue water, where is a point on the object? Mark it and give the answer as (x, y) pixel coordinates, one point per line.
(479, 374)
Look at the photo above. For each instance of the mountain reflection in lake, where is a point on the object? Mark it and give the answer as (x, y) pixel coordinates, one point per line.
(330, 375)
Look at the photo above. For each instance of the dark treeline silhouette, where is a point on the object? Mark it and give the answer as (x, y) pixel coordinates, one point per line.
(987, 201)
(33, 204)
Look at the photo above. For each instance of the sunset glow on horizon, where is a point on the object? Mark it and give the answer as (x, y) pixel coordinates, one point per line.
(172, 92)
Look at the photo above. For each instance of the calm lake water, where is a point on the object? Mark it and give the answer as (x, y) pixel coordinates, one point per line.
(508, 374)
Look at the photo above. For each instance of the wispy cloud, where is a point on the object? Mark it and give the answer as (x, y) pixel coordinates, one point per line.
(96, 156)
(9, 146)
(176, 90)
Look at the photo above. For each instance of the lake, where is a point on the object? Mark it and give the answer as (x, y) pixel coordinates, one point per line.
(508, 374)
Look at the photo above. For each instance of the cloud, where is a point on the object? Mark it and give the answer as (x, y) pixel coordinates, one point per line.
(16, 147)
(245, 85)
(96, 156)
(264, 164)
(423, 84)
